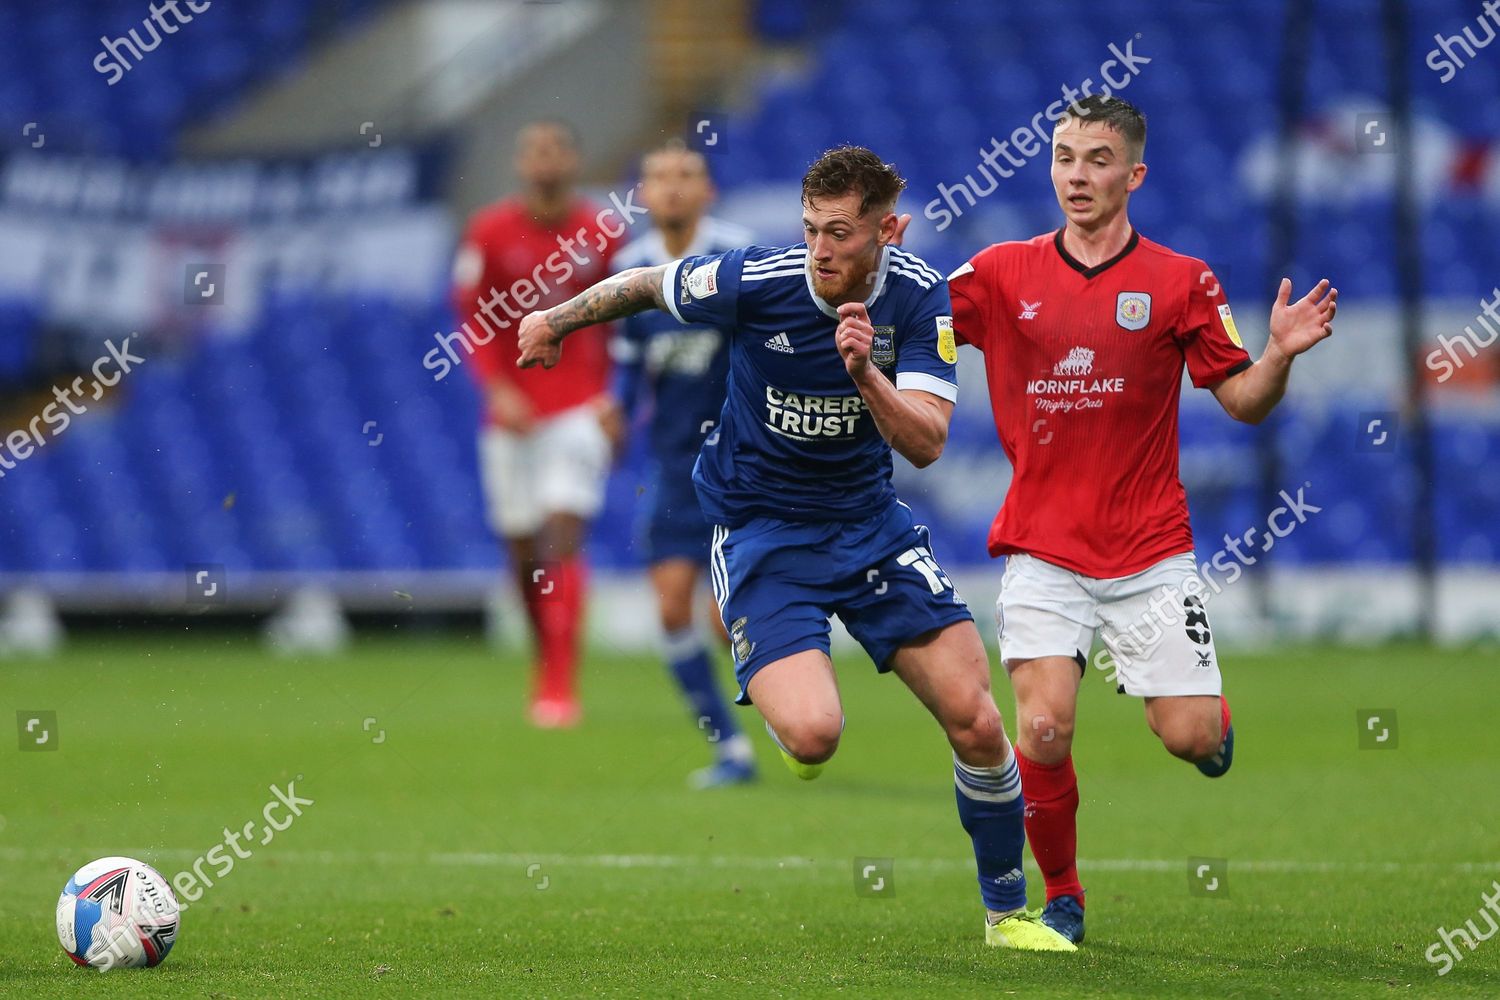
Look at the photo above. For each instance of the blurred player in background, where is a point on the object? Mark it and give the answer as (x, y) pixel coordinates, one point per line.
(543, 455)
(1085, 333)
(683, 373)
(842, 350)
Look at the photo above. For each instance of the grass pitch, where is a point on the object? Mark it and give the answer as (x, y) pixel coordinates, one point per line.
(450, 850)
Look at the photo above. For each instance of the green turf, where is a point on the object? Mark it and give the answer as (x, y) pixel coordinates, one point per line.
(468, 855)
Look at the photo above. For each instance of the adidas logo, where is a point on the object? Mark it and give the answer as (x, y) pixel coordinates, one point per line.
(781, 343)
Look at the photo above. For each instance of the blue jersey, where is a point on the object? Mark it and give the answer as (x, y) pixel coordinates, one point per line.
(682, 369)
(795, 440)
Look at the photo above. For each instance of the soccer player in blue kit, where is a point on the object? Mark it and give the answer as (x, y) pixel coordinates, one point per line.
(842, 350)
(679, 374)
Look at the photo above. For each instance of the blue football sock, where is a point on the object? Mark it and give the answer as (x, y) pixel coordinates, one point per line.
(992, 810)
(690, 666)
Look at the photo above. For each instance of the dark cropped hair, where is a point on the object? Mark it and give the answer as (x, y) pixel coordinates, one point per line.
(1120, 115)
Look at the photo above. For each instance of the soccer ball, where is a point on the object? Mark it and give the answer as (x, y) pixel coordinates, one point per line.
(117, 913)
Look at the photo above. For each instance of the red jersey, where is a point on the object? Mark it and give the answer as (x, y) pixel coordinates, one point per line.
(1084, 366)
(529, 266)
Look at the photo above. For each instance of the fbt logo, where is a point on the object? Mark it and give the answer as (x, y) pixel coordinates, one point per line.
(808, 418)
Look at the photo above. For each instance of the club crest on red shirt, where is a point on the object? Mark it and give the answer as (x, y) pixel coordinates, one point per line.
(1133, 310)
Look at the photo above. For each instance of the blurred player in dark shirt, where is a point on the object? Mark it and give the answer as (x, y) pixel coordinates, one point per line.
(679, 373)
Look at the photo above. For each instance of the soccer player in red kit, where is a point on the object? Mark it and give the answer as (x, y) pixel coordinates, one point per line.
(543, 455)
(1085, 334)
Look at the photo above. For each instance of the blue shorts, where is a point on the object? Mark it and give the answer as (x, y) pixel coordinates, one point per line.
(778, 582)
(675, 527)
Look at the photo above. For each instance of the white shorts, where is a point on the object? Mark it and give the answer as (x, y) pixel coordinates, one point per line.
(1156, 637)
(559, 468)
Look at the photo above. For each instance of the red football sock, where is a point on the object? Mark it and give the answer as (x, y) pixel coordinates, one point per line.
(559, 614)
(1051, 792)
(533, 604)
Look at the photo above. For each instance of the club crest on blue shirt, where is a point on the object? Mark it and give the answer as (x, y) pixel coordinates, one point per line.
(883, 346)
(743, 647)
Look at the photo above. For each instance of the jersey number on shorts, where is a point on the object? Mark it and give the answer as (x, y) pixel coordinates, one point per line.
(921, 560)
(1196, 625)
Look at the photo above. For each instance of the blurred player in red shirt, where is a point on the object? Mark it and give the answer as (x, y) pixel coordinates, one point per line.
(1085, 334)
(543, 455)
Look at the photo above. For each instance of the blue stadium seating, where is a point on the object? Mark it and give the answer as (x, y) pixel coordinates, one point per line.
(254, 453)
(304, 446)
(48, 73)
(966, 73)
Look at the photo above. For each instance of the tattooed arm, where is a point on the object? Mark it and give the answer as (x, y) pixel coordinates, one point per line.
(541, 333)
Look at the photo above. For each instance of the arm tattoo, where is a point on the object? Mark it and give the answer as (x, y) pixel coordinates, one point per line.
(625, 294)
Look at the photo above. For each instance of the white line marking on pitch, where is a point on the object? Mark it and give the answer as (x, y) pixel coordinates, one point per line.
(489, 859)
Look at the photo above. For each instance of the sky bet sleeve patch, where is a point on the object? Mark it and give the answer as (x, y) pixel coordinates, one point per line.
(1229, 327)
(947, 347)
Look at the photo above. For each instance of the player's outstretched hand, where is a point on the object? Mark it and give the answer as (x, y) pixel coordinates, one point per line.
(1297, 326)
(539, 345)
(854, 337)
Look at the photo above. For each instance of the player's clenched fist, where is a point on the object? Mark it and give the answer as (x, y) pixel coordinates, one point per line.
(854, 337)
(539, 344)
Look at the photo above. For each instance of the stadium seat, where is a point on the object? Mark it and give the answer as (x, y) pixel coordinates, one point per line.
(277, 419)
(43, 46)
